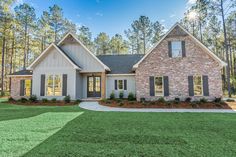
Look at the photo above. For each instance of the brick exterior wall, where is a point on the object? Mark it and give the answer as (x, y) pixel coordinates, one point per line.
(196, 62)
(15, 86)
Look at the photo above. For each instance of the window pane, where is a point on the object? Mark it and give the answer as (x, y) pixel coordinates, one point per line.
(97, 84)
(176, 47)
(27, 87)
(197, 85)
(57, 85)
(90, 84)
(49, 87)
(120, 84)
(158, 86)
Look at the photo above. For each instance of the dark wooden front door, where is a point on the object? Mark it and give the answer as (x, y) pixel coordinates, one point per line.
(94, 86)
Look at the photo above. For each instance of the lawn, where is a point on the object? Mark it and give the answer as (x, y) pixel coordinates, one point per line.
(70, 131)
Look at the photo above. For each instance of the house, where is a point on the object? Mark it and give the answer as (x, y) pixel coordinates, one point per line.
(177, 66)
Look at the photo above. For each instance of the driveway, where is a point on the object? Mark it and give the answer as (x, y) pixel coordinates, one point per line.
(95, 106)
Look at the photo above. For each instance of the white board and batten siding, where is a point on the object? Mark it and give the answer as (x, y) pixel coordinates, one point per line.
(54, 63)
(82, 58)
(111, 85)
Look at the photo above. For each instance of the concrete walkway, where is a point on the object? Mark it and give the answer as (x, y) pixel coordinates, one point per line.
(95, 106)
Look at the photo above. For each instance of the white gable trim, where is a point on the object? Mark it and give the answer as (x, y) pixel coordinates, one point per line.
(222, 64)
(38, 59)
(105, 67)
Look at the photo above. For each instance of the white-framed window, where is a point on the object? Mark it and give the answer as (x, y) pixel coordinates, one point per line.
(197, 85)
(54, 85)
(176, 49)
(159, 86)
(120, 84)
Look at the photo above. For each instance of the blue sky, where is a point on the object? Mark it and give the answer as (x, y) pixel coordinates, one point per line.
(114, 16)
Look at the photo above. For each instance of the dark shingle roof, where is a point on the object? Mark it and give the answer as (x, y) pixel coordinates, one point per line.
(22, 72)
(120, 64)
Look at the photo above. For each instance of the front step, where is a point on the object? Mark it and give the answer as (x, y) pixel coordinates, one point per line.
(90, 99)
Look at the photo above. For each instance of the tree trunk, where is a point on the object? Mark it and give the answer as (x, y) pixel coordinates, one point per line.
(3, 63)
(11, 58)
(226, 49)
(25, 46)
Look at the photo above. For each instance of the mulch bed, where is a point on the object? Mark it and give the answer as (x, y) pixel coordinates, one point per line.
(156, 104)
(40, 103)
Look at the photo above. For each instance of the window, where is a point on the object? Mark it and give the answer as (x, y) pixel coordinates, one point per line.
(120, 84)
(54, 85)
(27, 87)
(97, 84)
(158, 86)
(197, 82)
(176, 48)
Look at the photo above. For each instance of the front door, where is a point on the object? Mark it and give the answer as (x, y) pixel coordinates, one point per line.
(94, 86)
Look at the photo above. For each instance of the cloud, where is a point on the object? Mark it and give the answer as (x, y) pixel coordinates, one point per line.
(99, 14)
(191, 2)
(163, 20)
(18, 2)
(172, 15)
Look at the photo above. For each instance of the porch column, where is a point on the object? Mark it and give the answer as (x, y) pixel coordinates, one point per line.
(103, 84)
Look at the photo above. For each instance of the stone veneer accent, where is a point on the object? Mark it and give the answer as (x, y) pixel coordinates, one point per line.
(196, 62)
(15, 86)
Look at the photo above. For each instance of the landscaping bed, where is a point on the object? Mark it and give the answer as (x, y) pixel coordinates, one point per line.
(165, 104)
(33, 101)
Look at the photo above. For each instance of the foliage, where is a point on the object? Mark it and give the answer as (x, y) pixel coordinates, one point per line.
(121, 95)
(203, 100)
(177, 100)
(230, 100)
(54, 100)
(78, 101)
(161, 100)
(23, 100)
(131, 97)
(44, 100)
(33, 98)
(67, 99)
(11, 99)
(112, 96)
(217, 100)
(188, 99)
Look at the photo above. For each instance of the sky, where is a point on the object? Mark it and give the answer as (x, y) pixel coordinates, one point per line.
(115, 16)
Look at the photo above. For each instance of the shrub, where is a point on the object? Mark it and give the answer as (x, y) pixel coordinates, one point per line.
(54, 100)
(217, 100)
(188, 99)
(11, 99)
(121, 95)
(131, 97)
(169, 103)
(161, 99)
(33, 98)
(44, 100)
(67, 99)
(78, 101)
(203, 100)
(112, 96)
(23, 100)
(142, 100)
(177, 100)
(194, 104)
(230, 100)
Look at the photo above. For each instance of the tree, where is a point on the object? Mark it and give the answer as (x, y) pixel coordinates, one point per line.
(56, 21)
(118, 45)
(218, 6)
(5, 24)
(25, 15)
(102, 44)
(85, 36)
(158, 31)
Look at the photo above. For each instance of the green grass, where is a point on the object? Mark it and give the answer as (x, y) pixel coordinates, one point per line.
(122, 133)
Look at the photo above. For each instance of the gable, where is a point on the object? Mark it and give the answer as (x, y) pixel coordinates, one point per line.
(178, 31)
(53, 57)
(81, 55)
